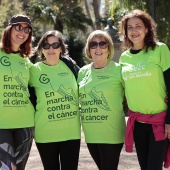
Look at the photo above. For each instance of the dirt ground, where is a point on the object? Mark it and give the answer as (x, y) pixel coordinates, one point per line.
(128, 161)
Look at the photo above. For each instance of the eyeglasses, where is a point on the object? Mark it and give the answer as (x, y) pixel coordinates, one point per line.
(47, 46)
(101, 44)
(20, 28)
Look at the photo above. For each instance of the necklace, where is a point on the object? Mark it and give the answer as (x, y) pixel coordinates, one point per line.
(103, 69)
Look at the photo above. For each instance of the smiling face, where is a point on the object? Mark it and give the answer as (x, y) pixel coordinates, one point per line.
(51, 53)
(136, 32)
(18, 37)
(99, 54)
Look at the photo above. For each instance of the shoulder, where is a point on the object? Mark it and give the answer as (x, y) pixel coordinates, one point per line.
(36, 65)
(67, 59)
(117, 65)
(126, 54)
(71, 64)
(83, 70)
(161, 45)
(85, 67)
(2, 52)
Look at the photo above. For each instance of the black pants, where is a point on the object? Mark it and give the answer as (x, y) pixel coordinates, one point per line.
(149, 152)
(106, 156)
(15, 145)
(60, 155)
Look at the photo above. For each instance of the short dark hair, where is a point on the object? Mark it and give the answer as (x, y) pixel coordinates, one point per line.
(44, 39)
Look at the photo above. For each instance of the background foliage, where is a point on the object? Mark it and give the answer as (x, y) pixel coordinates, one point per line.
(77, 18)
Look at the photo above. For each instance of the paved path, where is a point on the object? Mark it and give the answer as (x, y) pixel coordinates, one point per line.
(128, 161)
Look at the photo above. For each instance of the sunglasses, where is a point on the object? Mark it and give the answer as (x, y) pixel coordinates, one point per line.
(47, 46)
(20, 28)
(101, 44)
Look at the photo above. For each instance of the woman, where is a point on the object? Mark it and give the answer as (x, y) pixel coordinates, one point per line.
(101, 95)
(17, 112)
(146, 70)
(57, 119)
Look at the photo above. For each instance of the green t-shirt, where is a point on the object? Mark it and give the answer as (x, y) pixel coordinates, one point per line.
(145, 89)
(57, 115)
(16, 110)
(101, 96)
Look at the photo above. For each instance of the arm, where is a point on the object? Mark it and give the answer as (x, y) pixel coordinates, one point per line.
(167, 119)
(32, 97)
(71, 64)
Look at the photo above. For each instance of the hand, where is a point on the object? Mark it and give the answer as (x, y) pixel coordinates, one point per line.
(167, 131)
(166, 100)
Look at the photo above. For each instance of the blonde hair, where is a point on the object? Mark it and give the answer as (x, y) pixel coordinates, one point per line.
(99, 34)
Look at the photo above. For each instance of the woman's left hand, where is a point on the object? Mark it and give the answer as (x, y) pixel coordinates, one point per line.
(167, 131)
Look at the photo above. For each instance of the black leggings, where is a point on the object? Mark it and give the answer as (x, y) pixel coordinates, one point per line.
(106, 156)
(60, 154)
(149, 152)
(15, 145)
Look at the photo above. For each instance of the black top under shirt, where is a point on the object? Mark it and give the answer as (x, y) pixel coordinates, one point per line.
(166, 74)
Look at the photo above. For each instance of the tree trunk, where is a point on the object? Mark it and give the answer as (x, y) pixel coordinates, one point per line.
(87, 9)
(58, 25)
(96, 7)
(88, 12)
(44, 28)
(107, 12)
(153, 9)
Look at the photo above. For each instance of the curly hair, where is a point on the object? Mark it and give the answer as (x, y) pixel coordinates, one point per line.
(150, 38)
(100, 34)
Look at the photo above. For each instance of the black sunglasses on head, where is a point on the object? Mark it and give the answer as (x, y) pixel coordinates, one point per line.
(20, 28)
(101, 44)
(47, 46)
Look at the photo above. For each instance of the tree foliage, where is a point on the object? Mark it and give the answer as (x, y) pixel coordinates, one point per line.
(75, 48)
(77, 18)
(4, 7)
(8, 9)
(63, 15)
(159, 8)
(96, 7)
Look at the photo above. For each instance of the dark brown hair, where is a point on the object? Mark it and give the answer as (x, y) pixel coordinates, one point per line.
(151, 36)
(44, 39)
(25, 48)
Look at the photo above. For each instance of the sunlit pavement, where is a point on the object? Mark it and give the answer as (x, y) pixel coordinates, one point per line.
(128, 161)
